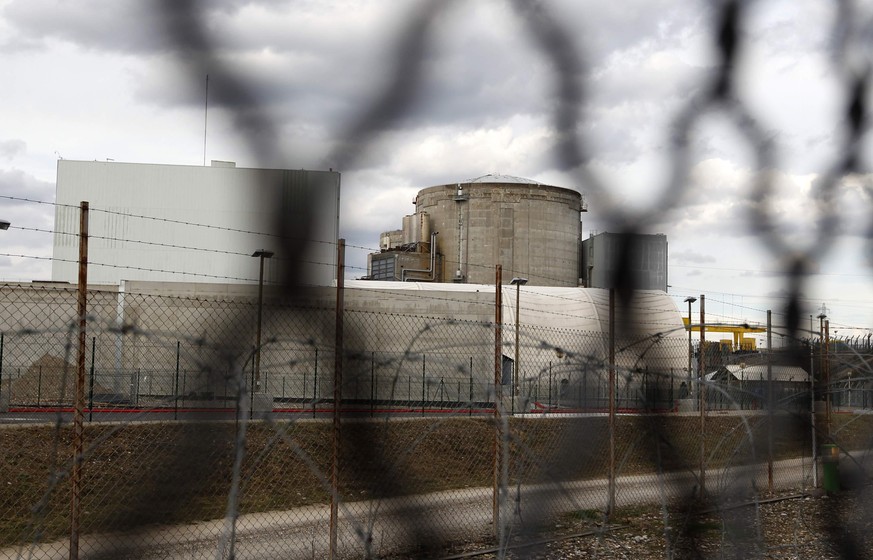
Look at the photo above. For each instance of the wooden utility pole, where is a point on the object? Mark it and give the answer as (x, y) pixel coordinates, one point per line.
(701, 374)
(770, 415)
(498, 393)
(79, 406)
(337, 396)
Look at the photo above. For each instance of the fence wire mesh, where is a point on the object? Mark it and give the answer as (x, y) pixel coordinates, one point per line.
(202, 443)
(428, 460)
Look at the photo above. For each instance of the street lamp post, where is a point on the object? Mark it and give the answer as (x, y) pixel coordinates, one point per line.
(689, 300)
(824, 376)
(518, 282)
(4, 224)
(262, 254)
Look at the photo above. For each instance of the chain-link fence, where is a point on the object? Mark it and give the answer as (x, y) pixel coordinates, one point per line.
(439, 445)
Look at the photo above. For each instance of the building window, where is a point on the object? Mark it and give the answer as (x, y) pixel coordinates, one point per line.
(383, 268)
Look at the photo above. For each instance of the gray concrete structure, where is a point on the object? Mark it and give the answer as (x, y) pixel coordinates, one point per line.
(416, 340)
(531, 229)
(600, 255)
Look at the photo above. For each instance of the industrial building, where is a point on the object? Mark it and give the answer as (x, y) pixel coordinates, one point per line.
(402, 341)
(173, 246)
(185, 223)
(459, 231)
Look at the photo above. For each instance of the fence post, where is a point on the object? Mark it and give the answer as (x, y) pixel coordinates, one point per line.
(39, 386)
(498, 374)
(372, 384)
(138, 376)
(1, 371)
(423, 380)
(646, 406)
(770, 416)
(78, 416)
(252, 386)
(812, 409)
(827, 379)
(315, 385)
(337, 394)
(701, 372)
(91, 385)
(550, 385)
(176, 384)
(470, 405)
(611, 474)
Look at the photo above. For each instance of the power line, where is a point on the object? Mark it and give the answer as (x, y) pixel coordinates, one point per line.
(46, 202)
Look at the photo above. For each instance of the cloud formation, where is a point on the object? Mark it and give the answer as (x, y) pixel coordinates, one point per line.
(96, 79)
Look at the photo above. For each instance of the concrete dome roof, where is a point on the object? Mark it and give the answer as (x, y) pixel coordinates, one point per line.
(496, 178)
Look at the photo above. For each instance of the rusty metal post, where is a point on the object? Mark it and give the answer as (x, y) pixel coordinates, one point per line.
(337, 396)
(611, 506)
(1, 370)
(79, 407)
(498, 393)
(701, 393)
(769, 402)
(813, 435)
(827, 379)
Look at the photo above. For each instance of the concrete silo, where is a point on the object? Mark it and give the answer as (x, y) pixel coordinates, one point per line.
(532, 230)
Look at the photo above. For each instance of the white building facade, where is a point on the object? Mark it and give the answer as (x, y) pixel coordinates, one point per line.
(178, 223)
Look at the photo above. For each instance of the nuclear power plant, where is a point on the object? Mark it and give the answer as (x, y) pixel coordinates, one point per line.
(459, 231)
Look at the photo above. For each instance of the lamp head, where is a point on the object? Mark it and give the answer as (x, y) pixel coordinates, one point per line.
(690, 299)
(4, 224)
(517, 281)
(263, 253)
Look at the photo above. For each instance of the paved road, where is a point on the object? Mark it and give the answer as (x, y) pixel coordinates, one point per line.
(392, 524)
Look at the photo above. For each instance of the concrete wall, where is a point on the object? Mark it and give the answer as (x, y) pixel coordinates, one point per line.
(532, 230)
(156, 339)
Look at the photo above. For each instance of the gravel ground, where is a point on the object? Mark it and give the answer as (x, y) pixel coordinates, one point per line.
(807, 527)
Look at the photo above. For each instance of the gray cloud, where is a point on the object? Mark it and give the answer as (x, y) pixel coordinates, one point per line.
(479, 71)
(11, 148)
(17, 183)
(128, 26)
(312, 67)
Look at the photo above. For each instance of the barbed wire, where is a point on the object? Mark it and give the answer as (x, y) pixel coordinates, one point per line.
(169, 220)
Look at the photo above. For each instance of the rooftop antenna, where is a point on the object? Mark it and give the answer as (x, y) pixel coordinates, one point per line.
(205, 117)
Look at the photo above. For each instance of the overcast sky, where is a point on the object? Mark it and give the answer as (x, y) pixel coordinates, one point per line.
(105, 80)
